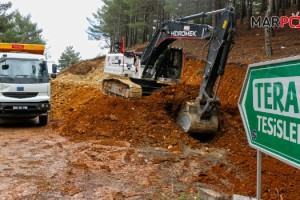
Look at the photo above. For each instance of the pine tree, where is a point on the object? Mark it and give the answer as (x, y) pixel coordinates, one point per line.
(5, 17)
(68, 57)
(22, 30)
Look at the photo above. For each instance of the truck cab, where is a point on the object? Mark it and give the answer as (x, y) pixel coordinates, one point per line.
(24, 82)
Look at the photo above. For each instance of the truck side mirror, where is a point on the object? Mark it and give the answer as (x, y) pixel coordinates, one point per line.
(5, 67)
(54, 68)
(53, 75)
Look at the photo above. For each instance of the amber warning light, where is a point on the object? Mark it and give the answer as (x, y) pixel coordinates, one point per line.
(29, 48)
(17, 46)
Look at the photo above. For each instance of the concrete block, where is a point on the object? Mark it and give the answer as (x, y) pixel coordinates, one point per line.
(208, 194)
(240, 197)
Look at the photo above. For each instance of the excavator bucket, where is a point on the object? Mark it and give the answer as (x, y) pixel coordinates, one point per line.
(190, 121)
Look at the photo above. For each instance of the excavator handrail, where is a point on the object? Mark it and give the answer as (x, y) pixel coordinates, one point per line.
(202, 14)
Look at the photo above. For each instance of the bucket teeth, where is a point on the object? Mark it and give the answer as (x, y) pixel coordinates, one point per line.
(189, 120)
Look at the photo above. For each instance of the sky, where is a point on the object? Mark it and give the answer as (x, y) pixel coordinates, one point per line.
(64, 24)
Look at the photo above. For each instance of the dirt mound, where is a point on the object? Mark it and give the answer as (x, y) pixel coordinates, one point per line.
(81, 112)
(92, 115)
(84, 67)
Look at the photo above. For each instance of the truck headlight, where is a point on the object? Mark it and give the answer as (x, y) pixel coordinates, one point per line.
(45, 105)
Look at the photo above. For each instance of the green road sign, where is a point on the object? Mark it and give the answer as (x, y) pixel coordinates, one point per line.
(270, 108)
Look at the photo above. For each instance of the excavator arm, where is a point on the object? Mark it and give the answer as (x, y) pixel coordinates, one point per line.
(200, 116)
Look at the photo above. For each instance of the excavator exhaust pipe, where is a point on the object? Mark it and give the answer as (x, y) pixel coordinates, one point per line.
(189, 120)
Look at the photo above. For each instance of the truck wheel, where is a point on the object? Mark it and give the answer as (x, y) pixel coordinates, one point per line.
(43, 120)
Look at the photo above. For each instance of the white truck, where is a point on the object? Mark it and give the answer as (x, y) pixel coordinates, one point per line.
(24, 82)
(124, 64)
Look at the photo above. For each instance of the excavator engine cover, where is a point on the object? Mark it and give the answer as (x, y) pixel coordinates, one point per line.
(189, 120)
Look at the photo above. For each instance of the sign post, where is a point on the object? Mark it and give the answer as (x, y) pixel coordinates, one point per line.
(258, 176)
(269, 105)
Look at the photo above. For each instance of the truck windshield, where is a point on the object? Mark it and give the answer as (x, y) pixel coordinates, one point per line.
(23, 71)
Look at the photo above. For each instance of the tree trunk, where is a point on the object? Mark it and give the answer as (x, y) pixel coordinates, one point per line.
(213, 17)
(276, 7)
(242, 11)
(288, 3)
(136, 37)
(283, 7)
(263, 6)
(145, 32)
(119, 22)
(268, 44)
(126, 37)
(249, 12)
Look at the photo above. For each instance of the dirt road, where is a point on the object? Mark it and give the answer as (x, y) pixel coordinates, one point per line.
(37, 163)
(25, 162)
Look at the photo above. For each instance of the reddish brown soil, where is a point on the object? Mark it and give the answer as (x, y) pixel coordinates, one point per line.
(81, 112)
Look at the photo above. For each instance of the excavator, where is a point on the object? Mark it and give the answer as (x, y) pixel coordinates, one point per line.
(160, 64)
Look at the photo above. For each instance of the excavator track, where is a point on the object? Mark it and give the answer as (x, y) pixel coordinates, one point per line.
(121, 88)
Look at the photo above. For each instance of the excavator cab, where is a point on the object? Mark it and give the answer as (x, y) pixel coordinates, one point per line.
(171, 67)
(167, 67)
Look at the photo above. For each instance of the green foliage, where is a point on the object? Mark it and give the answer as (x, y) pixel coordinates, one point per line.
(136, 20)
(96, 29)
(68, 57)
(136, 25)
(22, 30)
(15, 28)
(4, 16)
